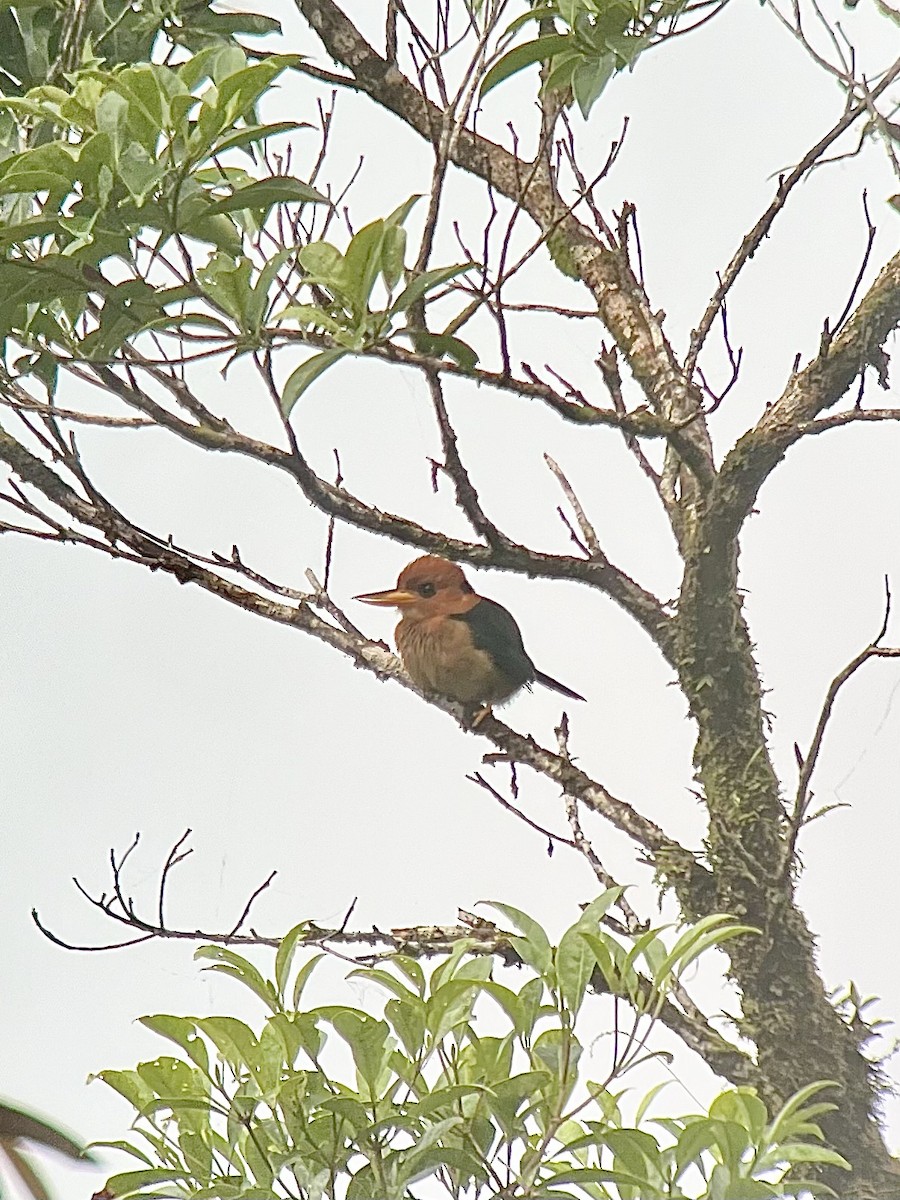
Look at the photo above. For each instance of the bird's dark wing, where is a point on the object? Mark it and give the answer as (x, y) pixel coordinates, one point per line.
(495, 631)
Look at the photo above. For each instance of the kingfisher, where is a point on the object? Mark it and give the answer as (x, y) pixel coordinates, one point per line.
(456, 643)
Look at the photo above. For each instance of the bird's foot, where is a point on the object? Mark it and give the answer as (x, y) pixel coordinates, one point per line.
(485, 711)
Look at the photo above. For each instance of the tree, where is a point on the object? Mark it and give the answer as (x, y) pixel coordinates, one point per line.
(153, 220)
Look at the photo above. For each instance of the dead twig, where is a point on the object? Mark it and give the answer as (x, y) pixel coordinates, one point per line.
(807, 762)
(588, 533)
(752, 241)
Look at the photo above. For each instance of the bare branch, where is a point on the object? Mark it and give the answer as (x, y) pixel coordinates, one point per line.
(466, 495)
(588, 532)
(372, 655)
(338, 503)
(608, 365)
(552, 838)
(809, 392)
(752, 241)
(867, 253)
(633, 924)
(482, 937)
(621, 301)
(807, 763)
(854, 417)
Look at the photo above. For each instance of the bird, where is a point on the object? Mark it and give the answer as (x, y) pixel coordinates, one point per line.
(456, 643)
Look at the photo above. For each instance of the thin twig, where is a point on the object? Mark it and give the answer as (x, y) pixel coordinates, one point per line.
(754, 238)
(870, 241)
(633, 923)
(591, 541)
(466, 495)
(329, 540)
(803, 797)
(551, 837)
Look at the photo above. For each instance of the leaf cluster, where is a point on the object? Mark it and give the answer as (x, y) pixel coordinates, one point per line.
(109, 187)
(343, 285)
(458, 1077)
(138, 162)
(582, 44)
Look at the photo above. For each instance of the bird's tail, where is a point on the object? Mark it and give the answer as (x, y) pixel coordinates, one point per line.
(556, 686)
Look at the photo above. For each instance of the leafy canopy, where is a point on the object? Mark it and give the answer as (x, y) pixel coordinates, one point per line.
(484, 1086)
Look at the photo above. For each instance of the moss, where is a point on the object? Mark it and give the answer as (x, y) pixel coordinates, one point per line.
(561, 253)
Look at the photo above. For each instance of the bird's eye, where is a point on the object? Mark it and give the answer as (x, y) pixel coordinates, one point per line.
(426, 589)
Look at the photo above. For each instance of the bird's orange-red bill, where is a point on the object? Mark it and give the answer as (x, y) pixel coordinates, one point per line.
(395, 596)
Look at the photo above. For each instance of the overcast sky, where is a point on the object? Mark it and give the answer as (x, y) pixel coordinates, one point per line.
(129, 703)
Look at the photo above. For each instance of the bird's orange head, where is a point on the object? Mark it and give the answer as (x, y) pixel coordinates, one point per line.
(428, 587)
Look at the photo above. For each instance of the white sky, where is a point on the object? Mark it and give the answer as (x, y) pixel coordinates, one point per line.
(130, 703)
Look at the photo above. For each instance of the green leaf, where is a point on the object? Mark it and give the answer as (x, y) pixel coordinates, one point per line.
(790, 1113)
(33, 227)
(558, 1051)
(284, 958)
(229, 963)
(564, 67)
(638, 1152)
(445, 1099)
(124, 1146)
(183, 1032)
(733, 1141)
(517, 59)
(172, 1079)
(258, 303)
(710, 931)
(229, 24)
(362, 262)
(450, 1006)
(385, 980)
(508, 1001)
(534, 948)
(589, 79)
(437, 345)
(447, 969)
(647, 1099)
(809, 1152)
(586, 1175)
(310, 315)
(128, 1182)
(237, 93)
(279, 189)
(574, 957)
(305, 375)
(743, 1106)
(426, 282)
(393, 253)
(411, 970)
(402, 211)
(128, 1084)
(408, 1021)
(370, 1044)
(274, 1054)
(508, 1095)
(246, 135)
(148, 106)
(322, 261)
(227, 282)
(235, 1041)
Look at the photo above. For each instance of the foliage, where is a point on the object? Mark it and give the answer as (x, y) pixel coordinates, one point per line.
(583, 43)
(34, 34)
(486, 1101)
(145, 165)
